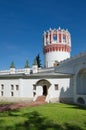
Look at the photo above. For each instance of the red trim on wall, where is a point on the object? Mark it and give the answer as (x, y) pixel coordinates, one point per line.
(50, 37)
(56, 47)
(59, 37)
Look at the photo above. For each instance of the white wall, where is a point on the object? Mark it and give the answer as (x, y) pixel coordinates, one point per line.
(64, 89)
(26, 88)
(51, 57)
(7, 87)
(39, 91)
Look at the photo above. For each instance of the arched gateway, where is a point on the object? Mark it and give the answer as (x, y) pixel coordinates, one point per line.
(44, 85)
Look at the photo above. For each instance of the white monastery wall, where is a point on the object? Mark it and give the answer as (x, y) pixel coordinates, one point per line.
(8, 86)
(23, 88)
(76, 66)
(72, 65)
(64, 91)
(27, 87)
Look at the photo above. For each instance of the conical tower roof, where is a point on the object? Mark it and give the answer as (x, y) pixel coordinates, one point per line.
(27, 64)
(12, 65)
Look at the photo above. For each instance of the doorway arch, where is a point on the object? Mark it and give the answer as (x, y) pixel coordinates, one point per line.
(45, 84)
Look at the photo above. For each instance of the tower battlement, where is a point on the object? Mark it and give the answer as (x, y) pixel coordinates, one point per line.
(56, 46)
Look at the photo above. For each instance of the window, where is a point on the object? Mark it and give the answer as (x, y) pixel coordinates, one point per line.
(64, 38)
(17, 87)
(34, 87)
(56, 87)
(47, 41)
(55, 37)
(2, 86)
(12, 87)
(2, 93)
(12, 94)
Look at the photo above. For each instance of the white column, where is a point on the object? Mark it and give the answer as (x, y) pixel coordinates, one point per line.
(62, 36)
(67, 38)
(48, 39)
(51, 36)
(57, 36)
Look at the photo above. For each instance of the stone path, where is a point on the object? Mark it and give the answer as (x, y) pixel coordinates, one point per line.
(14, 106)
(6, 107)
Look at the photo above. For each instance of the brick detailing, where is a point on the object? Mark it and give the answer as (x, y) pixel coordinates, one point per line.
(41, 99)
(56, 47)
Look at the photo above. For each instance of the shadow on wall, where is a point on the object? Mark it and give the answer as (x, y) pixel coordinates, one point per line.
(67, 96)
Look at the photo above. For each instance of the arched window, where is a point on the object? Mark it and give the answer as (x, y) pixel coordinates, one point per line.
(64, 38)
(55, 37)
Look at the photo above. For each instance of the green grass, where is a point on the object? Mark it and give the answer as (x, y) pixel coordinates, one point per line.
(46, 117)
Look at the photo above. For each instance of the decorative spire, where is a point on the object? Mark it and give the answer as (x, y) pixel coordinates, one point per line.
(44, 32)
(67, 30)
(12, 65)
(59, 28)
(27, 64)
(50, 29)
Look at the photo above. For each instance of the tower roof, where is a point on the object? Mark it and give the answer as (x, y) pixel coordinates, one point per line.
(35, 62)
(12, 65)
(27, 64)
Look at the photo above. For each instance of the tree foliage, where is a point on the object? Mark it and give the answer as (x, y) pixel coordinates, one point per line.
(38, 61)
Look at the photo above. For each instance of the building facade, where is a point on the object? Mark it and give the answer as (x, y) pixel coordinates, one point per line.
(61, 80)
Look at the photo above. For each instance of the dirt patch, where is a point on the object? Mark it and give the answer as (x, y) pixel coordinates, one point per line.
(6, 107)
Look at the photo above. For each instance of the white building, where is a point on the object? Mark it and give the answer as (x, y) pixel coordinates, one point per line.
(62, 78)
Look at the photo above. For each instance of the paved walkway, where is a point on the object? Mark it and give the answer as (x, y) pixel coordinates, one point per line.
(6, 107)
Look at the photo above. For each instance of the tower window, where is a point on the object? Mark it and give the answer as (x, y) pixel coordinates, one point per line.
(64, 38)
(55, 37)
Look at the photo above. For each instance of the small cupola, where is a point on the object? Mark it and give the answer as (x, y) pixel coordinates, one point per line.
(27, 67)
(35, 66)
(27, 64)
(12, 68)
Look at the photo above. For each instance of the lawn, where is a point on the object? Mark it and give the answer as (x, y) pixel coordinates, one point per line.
(45, 117)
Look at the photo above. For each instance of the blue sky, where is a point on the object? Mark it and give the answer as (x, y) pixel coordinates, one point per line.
(22, 23)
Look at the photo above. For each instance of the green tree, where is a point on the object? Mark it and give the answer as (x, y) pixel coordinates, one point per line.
(38, 61)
